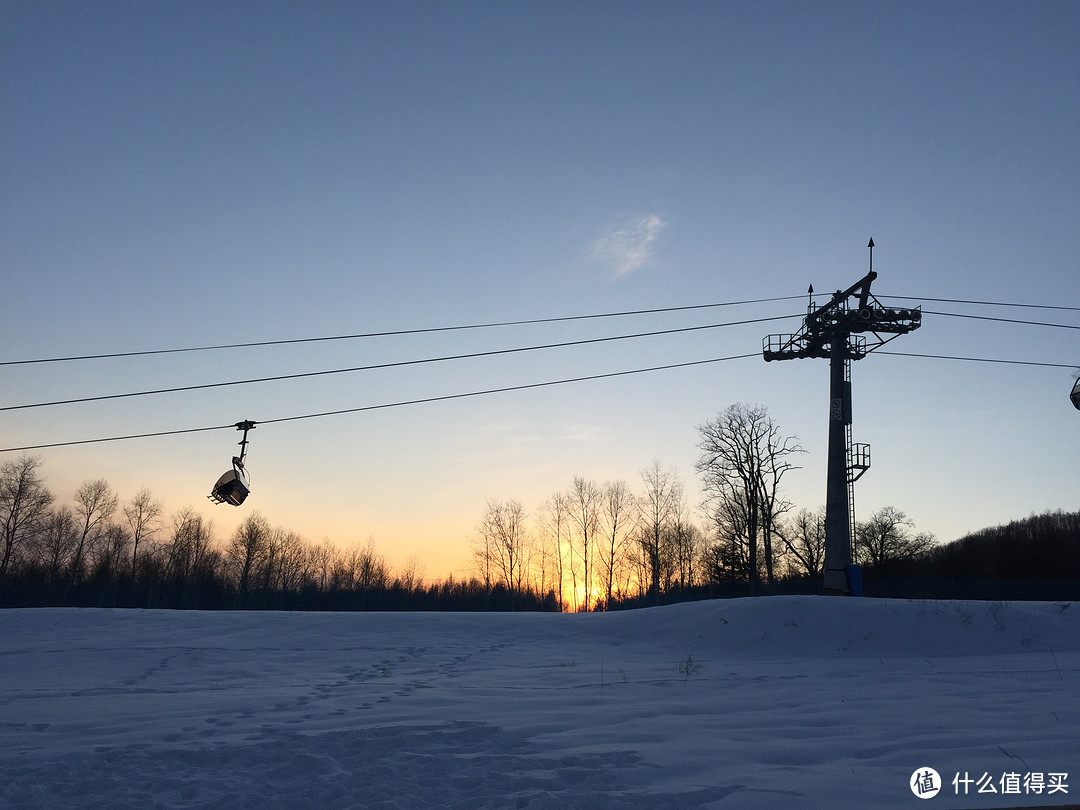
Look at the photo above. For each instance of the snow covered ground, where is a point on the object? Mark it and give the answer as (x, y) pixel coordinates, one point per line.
(771, 702)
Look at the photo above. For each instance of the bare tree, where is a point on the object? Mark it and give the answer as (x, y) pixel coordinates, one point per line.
(583, 499)
(110, 552)
(24, 507)
(361, 569)
(247, 551)
(729, 556)
(368, 569)
(554, 522)
(270, 569)
(541, 562)
(321, 563)
(888, 536)
(617, 511)
(776, 463)
(743, 458)
(804, 538)
(189, 546)
(658, 507)
(687, 546)
(56, 542)
(293, 562)
(502, 538)
(484, 556)
(142, 514)
(346, 571)
(411, 577)
(95, 503)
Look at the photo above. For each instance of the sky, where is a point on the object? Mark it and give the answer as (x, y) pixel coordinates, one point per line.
(182, 175)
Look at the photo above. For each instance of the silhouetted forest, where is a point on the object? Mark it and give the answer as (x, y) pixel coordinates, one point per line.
(594, 546)
(1035, 558)
(1043, 546)
(99, 552)
(211, 591)
(1025, 559)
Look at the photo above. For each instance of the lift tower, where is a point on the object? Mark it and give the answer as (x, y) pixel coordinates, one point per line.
(838, 330)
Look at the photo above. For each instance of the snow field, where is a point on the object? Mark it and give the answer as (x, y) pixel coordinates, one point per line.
(770, 702)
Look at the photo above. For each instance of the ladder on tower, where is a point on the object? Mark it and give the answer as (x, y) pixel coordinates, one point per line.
(858, 462)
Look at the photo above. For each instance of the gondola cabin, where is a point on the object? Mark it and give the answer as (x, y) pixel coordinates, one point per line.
(233, 486)
(1075, 395)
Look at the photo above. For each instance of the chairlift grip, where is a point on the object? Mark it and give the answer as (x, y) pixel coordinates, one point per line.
(245, 426)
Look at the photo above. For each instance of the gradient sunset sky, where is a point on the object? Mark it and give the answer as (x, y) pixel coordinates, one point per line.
(186, 174)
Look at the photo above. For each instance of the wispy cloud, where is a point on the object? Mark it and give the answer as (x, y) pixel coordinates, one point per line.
(580, 431)
(629, 245)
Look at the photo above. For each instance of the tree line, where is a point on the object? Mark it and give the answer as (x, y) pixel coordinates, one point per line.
(98, 551)
(1038, 547)
(603, 545)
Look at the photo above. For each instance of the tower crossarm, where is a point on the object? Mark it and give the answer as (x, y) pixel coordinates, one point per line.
(848, 312)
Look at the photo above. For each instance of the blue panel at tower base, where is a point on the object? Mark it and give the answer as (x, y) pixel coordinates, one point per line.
(854, 580)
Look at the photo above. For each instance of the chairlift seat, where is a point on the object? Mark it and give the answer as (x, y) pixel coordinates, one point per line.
(232, 487)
